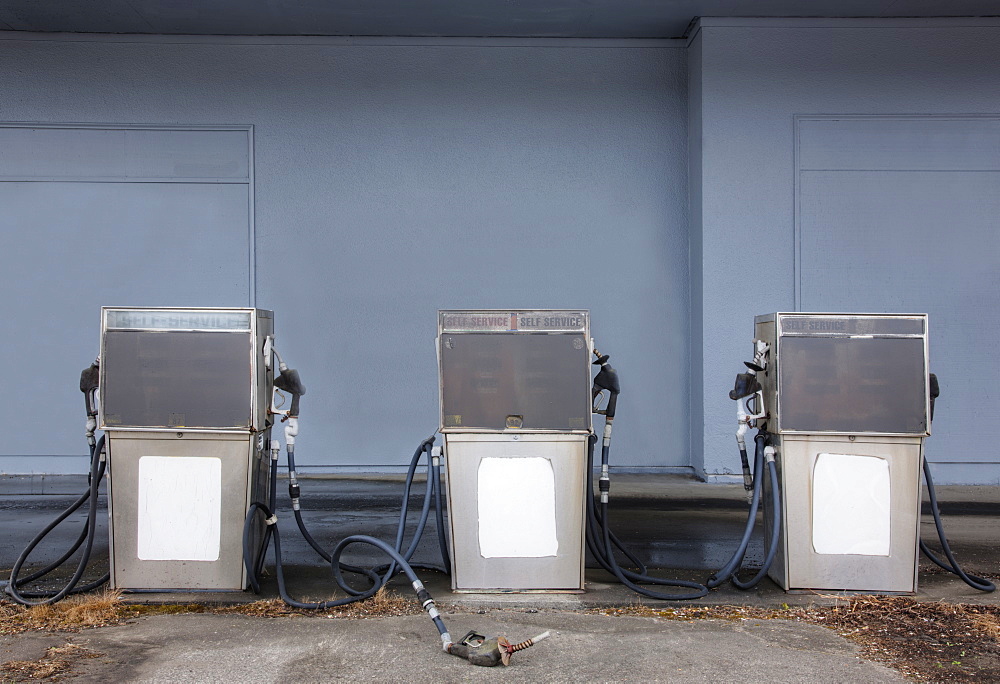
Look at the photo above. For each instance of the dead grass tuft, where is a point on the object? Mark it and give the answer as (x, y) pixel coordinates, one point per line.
(384, 603)
(933, 641)
(103, 609)
(69, 615)
(57, 661)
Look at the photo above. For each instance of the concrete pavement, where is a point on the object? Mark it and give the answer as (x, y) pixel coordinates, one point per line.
(583, 648)
(683, 528)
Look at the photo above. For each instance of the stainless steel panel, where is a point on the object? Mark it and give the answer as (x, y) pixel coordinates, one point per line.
(471, 571)
(799, 566)
(244, 473)
(542, 379)
(846, 373)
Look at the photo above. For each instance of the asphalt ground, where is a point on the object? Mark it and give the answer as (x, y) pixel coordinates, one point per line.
(682, 528)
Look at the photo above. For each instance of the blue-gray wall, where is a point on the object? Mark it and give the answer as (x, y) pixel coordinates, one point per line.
(642, 180)
(756, 78)
(391, 178)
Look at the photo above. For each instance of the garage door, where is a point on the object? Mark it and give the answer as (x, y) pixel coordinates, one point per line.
(903, 214)
(102, 215)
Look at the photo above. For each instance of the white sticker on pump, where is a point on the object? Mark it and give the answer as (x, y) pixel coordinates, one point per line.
(851, 505)
(517, 508)
(180, 508)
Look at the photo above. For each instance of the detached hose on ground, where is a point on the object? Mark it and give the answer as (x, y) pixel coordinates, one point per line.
(952, 565)
(731, 569)
(34, 598)
(476, 649)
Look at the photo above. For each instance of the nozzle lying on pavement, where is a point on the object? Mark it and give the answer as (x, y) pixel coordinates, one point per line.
(488, 652)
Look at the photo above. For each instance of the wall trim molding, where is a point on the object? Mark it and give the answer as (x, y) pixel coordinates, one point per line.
(344, 41)
(840, 23)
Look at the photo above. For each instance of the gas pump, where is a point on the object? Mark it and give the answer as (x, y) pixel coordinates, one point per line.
(184, 396)
(515, 415)
(516, 406)
(842, 404)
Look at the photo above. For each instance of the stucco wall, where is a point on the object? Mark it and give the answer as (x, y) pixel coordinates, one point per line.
(393, 178)
(757, 76)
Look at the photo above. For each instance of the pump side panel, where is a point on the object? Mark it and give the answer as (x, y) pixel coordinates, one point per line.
(141, 507)
(476, 565)
(807, 564)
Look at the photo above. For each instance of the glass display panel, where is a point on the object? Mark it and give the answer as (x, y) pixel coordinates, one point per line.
(539, 382)
(176, 379)
(852, 385)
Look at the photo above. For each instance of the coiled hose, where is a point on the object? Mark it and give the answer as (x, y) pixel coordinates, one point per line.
(37, 598)
(602, 543)
(731, 569)
(377, 577)
(952, 566)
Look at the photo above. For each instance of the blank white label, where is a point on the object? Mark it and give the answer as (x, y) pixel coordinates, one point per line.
(517, 508)
(180, 508)
(851, 505)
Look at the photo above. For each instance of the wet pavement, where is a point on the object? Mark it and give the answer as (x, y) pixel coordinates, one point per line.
(682, 528)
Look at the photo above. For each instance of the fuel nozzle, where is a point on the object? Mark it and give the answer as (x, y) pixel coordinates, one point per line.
(606, 379)
(748, 387)
(490, 651)
(935, 391)
(289, 381)
(90, 380)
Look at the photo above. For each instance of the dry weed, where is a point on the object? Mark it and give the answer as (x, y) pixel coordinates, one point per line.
(932, 641)
(57, 661)
(69, 615)
(384, 603)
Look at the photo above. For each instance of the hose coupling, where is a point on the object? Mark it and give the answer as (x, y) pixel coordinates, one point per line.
(490, 651)
(607, 431)
(91, 427)
(604, 483)
(291, 431)
(769, 453)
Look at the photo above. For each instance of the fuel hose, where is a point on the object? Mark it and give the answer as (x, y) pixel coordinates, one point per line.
(86, 539)
(731, 569)
(377, 577)
(952, 566)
